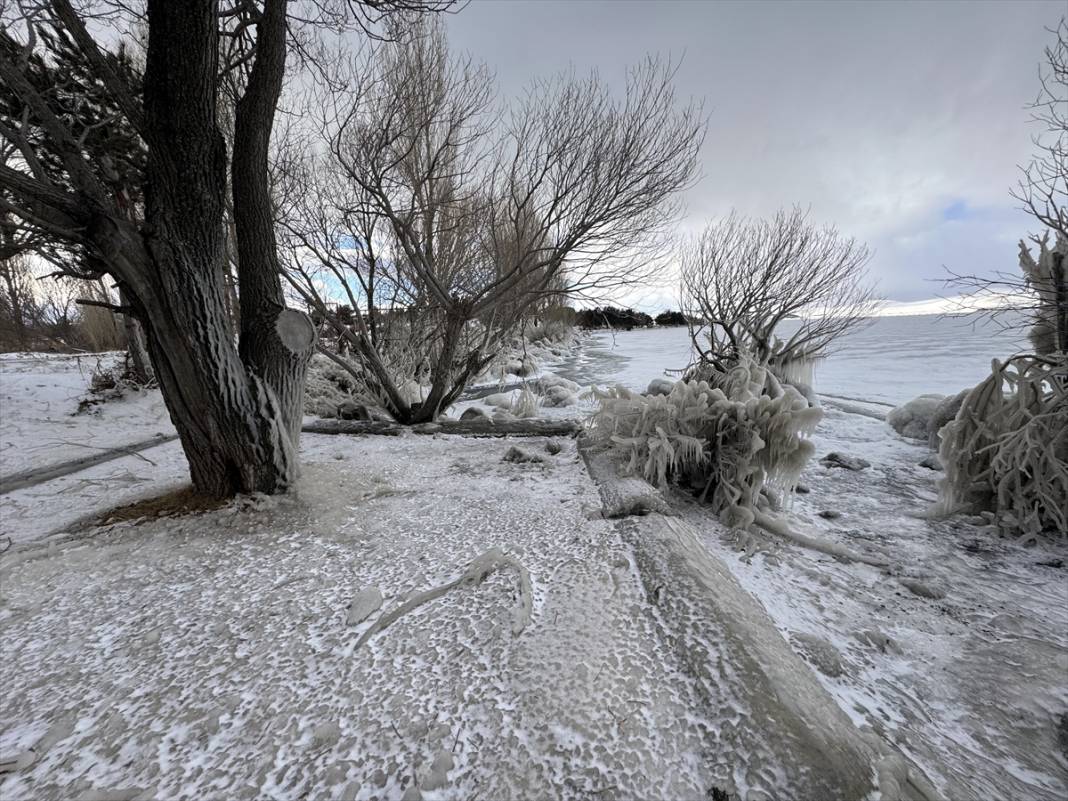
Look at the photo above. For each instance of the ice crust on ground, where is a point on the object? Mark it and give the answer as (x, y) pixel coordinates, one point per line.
(970, 685)
(958, 652)
(210, 655)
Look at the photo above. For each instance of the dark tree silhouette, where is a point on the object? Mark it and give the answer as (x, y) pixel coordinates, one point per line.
(237, 406)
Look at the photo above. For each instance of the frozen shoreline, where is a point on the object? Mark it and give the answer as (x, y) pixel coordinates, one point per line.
(917, 653)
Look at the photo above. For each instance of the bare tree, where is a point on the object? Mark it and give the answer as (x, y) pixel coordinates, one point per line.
(237, 406)
(444, 234)
(1043, 186)
(742, 279)
(17, 302)
(1036, 297)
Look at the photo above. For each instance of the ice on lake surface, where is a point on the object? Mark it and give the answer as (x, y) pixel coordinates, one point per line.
(891, 360)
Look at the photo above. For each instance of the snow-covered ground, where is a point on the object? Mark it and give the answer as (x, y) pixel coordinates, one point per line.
(212, 655)
(40, 421)
(41, 425)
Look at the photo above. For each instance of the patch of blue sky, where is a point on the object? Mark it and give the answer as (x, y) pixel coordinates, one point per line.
(957, 210)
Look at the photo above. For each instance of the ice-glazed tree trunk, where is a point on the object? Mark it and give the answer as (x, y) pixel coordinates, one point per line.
(276, 342)
(237, 413)
(1047, 277)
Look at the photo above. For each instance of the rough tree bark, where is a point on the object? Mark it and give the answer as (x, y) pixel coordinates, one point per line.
(276, 342)
(235, 401)
(232, 423)
(233, 416)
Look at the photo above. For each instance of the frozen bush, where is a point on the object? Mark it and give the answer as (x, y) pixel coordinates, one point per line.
(499, 400)
(328, 386)
(548, 331)
(735, 438)
(544, 383)
(525, 404)
(1006, 451)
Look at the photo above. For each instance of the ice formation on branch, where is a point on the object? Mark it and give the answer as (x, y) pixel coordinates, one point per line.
(736, 437)
(1047, 278)
(1006, 452)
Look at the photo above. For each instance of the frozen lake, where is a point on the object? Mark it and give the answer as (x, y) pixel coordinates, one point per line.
(891, 360)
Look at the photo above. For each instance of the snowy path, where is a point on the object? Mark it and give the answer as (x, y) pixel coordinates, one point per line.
(209, 656)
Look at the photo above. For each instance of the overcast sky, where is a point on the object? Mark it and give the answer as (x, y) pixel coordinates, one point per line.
(902, 122)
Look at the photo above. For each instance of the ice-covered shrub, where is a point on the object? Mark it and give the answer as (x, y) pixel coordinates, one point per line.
(735, 438)
(525, 404)
(328, 385)
(559, 396)
(1046, 278)
(913, 419)
(1006, 452)
(555, 391)
(549, 330)
(945, 413)
(544, 383)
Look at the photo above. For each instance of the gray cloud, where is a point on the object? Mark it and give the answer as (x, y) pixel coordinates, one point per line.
(902, 123)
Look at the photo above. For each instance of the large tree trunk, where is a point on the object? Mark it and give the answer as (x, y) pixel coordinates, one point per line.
(234, 419)
(276, 343)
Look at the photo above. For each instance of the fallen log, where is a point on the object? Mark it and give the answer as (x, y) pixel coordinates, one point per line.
(38, 475)
(464, 428)
(742, 665)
